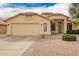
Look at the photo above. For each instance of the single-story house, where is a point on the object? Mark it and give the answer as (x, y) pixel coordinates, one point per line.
(34, 24)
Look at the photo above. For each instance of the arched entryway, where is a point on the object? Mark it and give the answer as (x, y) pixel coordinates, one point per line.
(57, 26)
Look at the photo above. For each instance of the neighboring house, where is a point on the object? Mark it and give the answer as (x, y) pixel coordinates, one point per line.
(3, 27)
(34, 24)
(75, 23)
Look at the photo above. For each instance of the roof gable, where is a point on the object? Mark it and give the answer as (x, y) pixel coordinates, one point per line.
(28, 13)
(43, 15)
(47, 14)
(57, 14)
(3, 23)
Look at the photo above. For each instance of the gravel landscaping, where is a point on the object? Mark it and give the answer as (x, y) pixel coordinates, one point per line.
(53, 46)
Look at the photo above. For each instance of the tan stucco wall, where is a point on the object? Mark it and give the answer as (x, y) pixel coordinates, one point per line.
(75, 23)
(64, 21)
(58, 17)
(3, 29)
(74, 26)
(33, 19)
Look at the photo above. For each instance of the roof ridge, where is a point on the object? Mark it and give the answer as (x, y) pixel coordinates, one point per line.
(26, 13)
(58, 14)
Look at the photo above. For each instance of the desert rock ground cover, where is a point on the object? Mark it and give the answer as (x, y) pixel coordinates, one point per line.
(53, 46)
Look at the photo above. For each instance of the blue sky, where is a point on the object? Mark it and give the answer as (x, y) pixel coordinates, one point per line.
(11, 9)
(29, 5)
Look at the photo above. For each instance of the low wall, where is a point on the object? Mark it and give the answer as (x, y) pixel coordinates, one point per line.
(3, 29)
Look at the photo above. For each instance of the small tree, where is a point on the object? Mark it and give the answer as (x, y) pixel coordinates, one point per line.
(76, 21)
(74, 10)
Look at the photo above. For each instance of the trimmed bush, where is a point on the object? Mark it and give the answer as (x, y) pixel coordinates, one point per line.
(42, 36)
(73, 32)
(69, 37)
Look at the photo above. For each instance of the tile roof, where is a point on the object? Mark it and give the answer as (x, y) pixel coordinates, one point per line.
(28, 13)
(47, 14)
(43, 15)
(3, 23)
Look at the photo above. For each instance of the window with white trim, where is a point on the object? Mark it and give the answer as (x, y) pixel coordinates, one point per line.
(45, 27)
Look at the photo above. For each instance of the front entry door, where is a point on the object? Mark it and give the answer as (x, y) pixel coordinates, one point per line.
(59, 27)
(56, 27)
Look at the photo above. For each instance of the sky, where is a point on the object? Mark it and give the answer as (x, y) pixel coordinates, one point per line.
(10, 9)
(29, 5)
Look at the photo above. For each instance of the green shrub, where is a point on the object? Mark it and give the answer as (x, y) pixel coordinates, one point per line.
(42, 36)
(69, 37)
(73, 32)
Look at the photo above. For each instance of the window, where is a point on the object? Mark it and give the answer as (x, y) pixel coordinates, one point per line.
(69, 26)
(45, 27)
(53, 27)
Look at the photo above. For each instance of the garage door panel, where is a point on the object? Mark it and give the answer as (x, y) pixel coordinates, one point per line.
(25, 29)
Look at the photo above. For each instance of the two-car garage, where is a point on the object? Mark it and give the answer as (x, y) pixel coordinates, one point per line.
(25, 29)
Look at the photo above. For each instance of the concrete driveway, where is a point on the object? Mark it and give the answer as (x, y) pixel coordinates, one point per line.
(15, 45)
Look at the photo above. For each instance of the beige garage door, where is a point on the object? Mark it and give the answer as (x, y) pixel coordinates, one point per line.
(25, 29)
